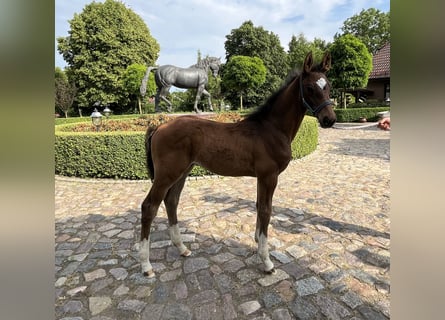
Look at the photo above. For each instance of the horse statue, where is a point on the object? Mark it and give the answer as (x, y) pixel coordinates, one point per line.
(195, 76)
(257, 146)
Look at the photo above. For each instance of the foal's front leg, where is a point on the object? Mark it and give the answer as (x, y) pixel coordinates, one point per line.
(266, 188)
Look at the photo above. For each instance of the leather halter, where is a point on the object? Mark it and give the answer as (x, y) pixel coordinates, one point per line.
(308, 107)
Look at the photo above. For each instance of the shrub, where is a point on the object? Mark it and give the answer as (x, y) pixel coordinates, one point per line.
(353, 114)
(306, 140)
(121, 154)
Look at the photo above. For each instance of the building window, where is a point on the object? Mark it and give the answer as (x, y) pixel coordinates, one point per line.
(387, 91)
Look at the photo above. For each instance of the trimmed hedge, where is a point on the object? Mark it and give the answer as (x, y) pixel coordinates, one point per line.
(306, 140)
(121, 155)
(353, 114)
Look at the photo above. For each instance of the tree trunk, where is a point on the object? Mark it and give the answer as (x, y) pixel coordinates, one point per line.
(241, 101)
(139, 104)
(66, 113)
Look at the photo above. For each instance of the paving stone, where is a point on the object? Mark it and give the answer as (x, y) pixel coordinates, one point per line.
(119, 273)
(308, 286)
(296, 251)
(132, 305)
(295, 270)
(351, 299)
(170, 275)
(331, 308)
(271, 300)
(208, 311)
(180, 290)
(128, 234)
(177, 311)
(247, 275)
(283, 258)
(138, 278)
(108, 262)
(99, 285)
(194, 264)
(268, 280)
(93, 275)
(224, 283)
(75, 291)
(152, 312)
(281, 314)
(371, 314)
(303, 309)
(60, 282)
(249, 307)
(72, 306)
(233, 265)
(121, 290)
(222, 257)
(204, 297)
(228, 311)
(98, 304)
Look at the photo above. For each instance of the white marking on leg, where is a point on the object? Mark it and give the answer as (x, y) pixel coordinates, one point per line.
(263, 252)
(321, 83)
(144, 257)
(175, 237)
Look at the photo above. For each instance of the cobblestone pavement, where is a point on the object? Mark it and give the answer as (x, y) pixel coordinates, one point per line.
(329, 239)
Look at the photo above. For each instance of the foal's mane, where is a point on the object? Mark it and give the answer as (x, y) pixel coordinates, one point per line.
(260, 112)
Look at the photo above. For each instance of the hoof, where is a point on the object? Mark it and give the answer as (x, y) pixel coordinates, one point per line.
(149, 274)
(271, 271)
(186, 253)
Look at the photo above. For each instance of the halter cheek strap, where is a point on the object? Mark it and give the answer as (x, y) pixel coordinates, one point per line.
(308, 107)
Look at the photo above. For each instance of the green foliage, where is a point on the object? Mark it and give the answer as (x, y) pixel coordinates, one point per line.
(131, 82)
(121, 154)
(251, 41)
(353, 114)
(351, 62)
(299, 48)
(242, 73)
(104, 39)
(371, 26)
(101, 155)
(306, 140)
(65, 92)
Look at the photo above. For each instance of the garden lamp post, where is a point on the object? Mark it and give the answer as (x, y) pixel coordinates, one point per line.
(107, 111)
(96, 118)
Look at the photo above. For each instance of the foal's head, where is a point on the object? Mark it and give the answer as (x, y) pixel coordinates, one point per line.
(315, 89)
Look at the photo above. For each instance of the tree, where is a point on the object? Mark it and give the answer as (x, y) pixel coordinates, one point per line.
(131, 82)
(371, 26)
(299, 48)
(242, 73)
(65, 92)
(352, 64)
(251, 41)
(104, 39)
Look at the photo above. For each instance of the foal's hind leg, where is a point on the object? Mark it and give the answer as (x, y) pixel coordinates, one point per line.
(149, 209)
(266, 188)
(171, 204)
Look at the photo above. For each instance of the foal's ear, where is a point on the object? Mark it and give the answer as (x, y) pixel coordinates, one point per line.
(326, 62)
(308, 62)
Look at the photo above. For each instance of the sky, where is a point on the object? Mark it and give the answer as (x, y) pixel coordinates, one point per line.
(184, 27)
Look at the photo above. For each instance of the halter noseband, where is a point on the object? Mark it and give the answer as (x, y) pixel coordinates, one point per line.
(317, 109)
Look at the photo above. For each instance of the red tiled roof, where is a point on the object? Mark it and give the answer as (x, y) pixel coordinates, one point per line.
(381, 66)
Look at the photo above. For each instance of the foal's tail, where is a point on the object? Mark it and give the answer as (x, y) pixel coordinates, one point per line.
(150, 166)
(143, 87)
